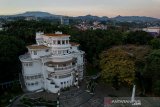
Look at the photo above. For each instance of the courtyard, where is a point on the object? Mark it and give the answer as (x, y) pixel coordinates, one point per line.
(75, 97)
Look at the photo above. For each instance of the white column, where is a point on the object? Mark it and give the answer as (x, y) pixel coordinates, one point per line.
(55, 42)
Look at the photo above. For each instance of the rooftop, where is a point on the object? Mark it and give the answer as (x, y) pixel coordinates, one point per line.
(37, 47)
(56, 35)
(74, 43)
(25, 57)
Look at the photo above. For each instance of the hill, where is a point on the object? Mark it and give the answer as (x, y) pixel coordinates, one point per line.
(135, 19)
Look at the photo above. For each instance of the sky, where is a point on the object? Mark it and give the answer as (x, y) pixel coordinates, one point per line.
(108, 8)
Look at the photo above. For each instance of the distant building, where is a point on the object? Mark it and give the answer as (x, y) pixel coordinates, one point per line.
(155, 31)
(96, 25)
(53, 63)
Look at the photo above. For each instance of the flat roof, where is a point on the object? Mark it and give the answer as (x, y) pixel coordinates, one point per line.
(37, 47)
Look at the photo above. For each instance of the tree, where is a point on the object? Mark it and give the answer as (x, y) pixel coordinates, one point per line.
(155, 43)
(94, 42)
(138, 37)
(152, 70)
(10, 49)
(117, 66)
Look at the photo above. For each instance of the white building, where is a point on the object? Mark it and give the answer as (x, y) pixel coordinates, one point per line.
(152, 29)
(53, 63)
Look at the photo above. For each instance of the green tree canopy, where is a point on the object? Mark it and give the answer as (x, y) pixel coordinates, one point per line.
(153, 64)
(155, 43)
(138, 37)
(152, 70)
(94, 42)
(117, 64)
(124, 62)
(10, 49)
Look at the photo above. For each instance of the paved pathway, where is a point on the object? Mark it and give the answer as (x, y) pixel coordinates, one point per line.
(80, 98)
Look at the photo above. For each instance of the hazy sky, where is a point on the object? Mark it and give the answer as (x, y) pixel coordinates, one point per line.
(82, 7)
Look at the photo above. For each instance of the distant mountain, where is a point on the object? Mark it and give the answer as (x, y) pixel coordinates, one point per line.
(33, 14)
(134, 19)
(90, 17)
(37, 14)
(47, 15)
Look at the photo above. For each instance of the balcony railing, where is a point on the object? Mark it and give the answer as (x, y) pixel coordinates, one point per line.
(51, 69)
(55, 69)
(64, 68)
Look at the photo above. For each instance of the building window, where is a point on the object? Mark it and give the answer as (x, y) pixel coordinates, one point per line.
(64, 65)
(32, 77)
(39, 76)
(27, 84)
(35, 52)
(47, 50)
(64, 76)
(36, 83)
(59, 42)
(54, 42)
(67, 41)
(30, 64)
(61, 82)
(73, 63)
(63, 42)
(27, 64)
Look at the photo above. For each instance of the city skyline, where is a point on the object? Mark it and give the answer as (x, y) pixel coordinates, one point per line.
(83, 7)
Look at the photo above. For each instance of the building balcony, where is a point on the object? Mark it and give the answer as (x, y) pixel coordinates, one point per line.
(50, 68)
(61, 70)
(60, 46)
(25, 58)
(64, 68)
(63, 56)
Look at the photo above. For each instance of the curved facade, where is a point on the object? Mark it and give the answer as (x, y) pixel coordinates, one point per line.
(53, 63)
